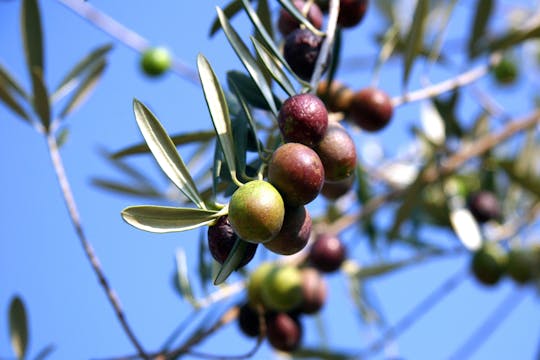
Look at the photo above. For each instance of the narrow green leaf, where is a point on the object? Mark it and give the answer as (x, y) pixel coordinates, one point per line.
(182, 276)
(127, 169)
(273, 67)
(204, 266)
(7, 79)
(484, 10)
(124, 189)
(84, 89)
(18, 327)
(165, 153)
(165, 219)
(12, 103)
(264, 14)
(45, 352)
(41, 103)
(219, 111)
(179, 139)
(87, 64)
(32, 35)
(297, 14)
(524, 178)
(268, 38)
(248, 60)
(230, 11)
(233, 260)
(249, 90)
(415, 37)
(513, 37)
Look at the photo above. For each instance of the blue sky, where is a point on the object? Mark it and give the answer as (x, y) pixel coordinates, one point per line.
(42, 260)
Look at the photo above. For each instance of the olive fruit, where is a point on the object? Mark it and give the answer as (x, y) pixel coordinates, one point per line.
(294, 234)
(281, 288)
(337, 152)
(371, 109)
(248, 321)
(303, 119)
(488, 263)
(155, 61)
(313, 291)
(351, 12)
(337, 97)
(506, 71)
(301, 51)
(256, 211)
(255, 281)
(221, 239)
(287, 23)
(297, 172)
(484, 206)
(522, 263)
(284, 331)
(333, 190)
(327, 253)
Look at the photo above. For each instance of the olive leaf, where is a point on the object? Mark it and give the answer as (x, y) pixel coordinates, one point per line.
(415, 37)
(484, 10)
(182, 277)
(297, 14)
(233, 260)
(165, 219)
(41, 103)
(249, 62)
(18, 327)
(45, 352)
(165, 153)
(7, 80)
(12, 103)
(219, 111)
(32, 35)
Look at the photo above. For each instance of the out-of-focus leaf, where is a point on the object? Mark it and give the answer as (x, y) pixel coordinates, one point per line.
(230, 11)
(182, 276)
(432, 123)
(8, 81)
(84, 89)
(165, 153)
(118, 187)
(335, 58)
(179, 139)
(87, 64)
(45, 352)
(466, 228)
(324, 354)
(18, 327)
(32, 35)
(447, 109)
(219, 111)
(127, 169)
(13, 104)
(165, 219)
(369, 314)
(273, 67)
(233, 260)
(513, 37)
(415, 37)
(248, 60)
(41, 103)
(204, 266)
(524, 178)
(240, 132)
(484, 10)
(62, 137)
(249, 89)
(384, 268)
(297, 14)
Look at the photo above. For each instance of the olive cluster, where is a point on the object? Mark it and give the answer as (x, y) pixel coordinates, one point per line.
(279, 295)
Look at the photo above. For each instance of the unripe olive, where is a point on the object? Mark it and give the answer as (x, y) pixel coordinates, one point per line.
(287, 23)
(221, 239)
(256, 211)
(303, 119)
(351, 12)
(284, 331)
(281, 288)
(506, 71)
(488, 263)
(155, 61)
(371, 109)
(297, 172)
(294, 234)
(337, 98)
(484, 206)
(327, 253)
(255, 281)
(301, 51)
(337, 152)
(522, 263)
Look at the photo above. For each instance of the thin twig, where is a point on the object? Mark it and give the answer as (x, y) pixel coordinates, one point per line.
(88, 249)
(483, 332)
(416, 313)
(125, 35)
(448, 85)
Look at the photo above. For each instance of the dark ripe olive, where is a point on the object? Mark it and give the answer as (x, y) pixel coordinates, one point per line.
(221, 239)
(294, 234)
(301, 51)
(351, 12)
(484, 206)
(337, 152)
(287, 23)
(284, 331)
(314, 291)
(327, 253)
(371, 109)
